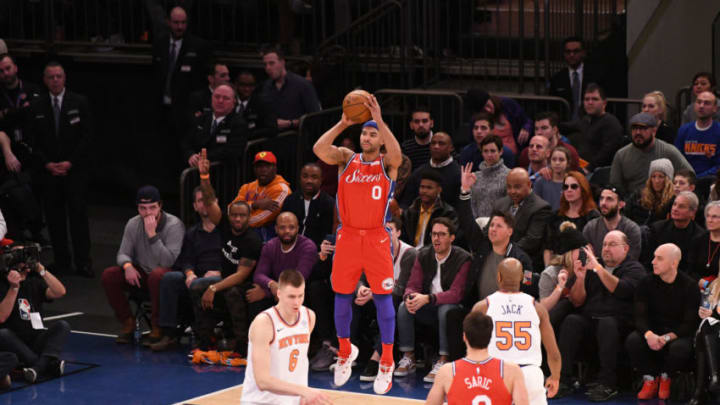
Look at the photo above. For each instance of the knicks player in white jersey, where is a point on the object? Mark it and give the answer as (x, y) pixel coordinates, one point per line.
(277, 369)
(520, 324)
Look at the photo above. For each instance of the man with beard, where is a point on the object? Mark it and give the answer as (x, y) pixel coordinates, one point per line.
(629, 170)
(417, 148)
(314, 208)
(223, 297)
(264, 195)
(427, 207)
(610, 204)
(286, 251)
(441, 160)
(150, 245)
(699, 140)
(15, 98)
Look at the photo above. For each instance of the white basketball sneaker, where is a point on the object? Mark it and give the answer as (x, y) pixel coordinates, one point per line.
(383, 380)
(343, 367)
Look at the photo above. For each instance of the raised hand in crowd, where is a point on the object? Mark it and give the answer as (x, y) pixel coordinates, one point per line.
(467, 179)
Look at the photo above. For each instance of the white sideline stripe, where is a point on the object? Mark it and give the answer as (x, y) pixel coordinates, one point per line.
(71, 314)
(208, 394)
(323, 389)
(82, 332)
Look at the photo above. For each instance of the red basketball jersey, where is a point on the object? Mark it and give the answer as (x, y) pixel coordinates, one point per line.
(478, 383)
(364, 193)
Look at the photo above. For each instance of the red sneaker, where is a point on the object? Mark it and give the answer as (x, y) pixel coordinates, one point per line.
(649, 389)
(664, 390)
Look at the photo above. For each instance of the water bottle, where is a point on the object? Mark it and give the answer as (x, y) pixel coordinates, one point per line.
(137, 334)
(705, 296)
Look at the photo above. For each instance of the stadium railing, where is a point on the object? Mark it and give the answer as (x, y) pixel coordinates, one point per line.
(227, 178)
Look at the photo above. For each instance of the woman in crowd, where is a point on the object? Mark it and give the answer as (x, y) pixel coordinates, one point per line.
(654, 201)
(551, 190)
(654, 103)
(559, 277)
(511, 123)
(703, 259)
(576, 205)
(715, 188)
(707, 339)
(702, 81)
(491, 174)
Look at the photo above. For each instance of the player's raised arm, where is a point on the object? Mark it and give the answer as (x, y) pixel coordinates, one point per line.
(329, 153)
(393, 157)
(554, 358)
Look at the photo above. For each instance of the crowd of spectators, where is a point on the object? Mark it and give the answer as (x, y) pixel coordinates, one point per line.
(618, 264)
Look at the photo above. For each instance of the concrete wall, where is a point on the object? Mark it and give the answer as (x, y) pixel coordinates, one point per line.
(668, 41)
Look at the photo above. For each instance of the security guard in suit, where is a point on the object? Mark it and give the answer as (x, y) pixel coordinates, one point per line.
(60, 128)
(223, 132)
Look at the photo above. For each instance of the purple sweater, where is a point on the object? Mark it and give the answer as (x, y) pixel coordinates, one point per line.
(273, 261)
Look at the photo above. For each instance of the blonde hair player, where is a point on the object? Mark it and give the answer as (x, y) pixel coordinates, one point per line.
(277, 369)
(520, 325)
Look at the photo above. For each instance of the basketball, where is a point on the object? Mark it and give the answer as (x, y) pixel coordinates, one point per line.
(354, 107)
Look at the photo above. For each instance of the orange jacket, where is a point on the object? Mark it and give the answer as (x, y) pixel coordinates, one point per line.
(277, 190)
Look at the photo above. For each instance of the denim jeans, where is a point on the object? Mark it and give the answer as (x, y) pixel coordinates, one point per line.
(430, 315)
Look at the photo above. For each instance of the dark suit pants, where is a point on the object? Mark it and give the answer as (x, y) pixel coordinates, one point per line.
(65, 201)
(675, 356)
(608, 332)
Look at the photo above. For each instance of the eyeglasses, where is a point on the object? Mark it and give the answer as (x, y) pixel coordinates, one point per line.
(713, 217)
(612, 244)
(573, 186)
(438, 234)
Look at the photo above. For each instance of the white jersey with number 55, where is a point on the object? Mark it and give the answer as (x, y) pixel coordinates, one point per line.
(516, 328)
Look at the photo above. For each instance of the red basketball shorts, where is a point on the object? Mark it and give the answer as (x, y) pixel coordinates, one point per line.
(358, 250)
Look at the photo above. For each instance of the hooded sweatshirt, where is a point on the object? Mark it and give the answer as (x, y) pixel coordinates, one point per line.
(278, 189)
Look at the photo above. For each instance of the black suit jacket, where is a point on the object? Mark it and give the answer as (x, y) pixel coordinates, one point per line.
(199, 103)
(261, 119)
(14, 110)
(530, 221)
(189, 72)
(321, 213)
(226, 144)
(560, 83)
(71, 142)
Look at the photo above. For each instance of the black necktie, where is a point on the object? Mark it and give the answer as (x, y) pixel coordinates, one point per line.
(213, 127)
(576, 92)
(56, 113)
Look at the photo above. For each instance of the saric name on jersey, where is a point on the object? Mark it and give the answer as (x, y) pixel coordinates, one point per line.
(294, 339)
(357, 177)
(478, 381)
(514, 309)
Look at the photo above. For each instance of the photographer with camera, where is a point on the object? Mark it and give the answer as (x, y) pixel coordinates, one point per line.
(25, 286)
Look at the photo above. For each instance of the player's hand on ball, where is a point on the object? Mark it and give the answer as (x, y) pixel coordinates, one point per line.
(345, 121)
(374, 107)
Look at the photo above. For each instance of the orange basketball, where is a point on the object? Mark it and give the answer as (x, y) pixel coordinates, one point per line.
(354, 107)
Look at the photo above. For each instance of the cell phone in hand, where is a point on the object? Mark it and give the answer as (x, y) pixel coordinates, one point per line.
(582, 256)
(330, 238)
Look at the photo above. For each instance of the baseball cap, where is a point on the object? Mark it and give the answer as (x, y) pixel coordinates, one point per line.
(610, 187)
(643, 119)
(147, 194)
(265, 156)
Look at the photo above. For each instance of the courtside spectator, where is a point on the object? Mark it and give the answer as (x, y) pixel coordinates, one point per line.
(151, 243)
(550, 189)
(510, 122)
(706, 344)
(611, 204)
(571, 81)
(702, 81)
(655, 104)
(482, 126)
(253, 107)
(15, 98)
(265, 195)
(698, 140)
(666, 316)
(428, 206)
(417, 148)
(489, 177)
(653, 202)
(314, 208)
(703, 255)
(200, 101)
(546, 124)
(538, 155)
(629, 170)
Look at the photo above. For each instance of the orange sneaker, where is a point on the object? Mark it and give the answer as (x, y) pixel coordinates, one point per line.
(649, 389)
(664, 390)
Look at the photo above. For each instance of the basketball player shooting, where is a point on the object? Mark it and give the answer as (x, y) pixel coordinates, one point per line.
(520, 324)
(365, 187)
(478, 379)
(277, 369)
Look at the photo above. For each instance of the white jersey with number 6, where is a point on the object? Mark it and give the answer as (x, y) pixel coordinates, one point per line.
(516, 328)
(288, 359)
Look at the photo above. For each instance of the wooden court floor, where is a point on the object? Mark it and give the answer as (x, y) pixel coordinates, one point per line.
(232, 396)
